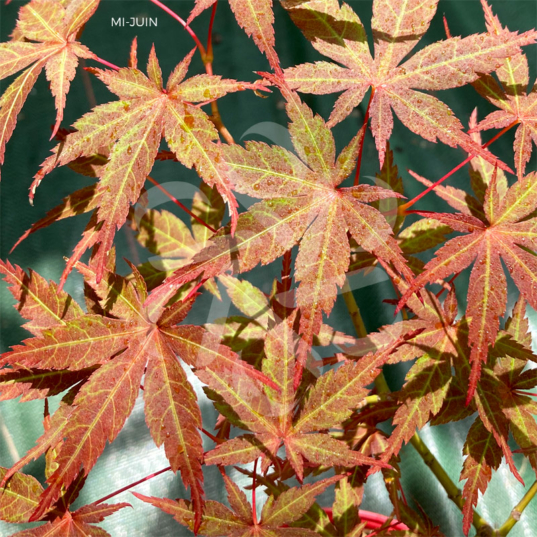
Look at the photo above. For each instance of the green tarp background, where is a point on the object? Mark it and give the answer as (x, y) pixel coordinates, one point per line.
(133, 455)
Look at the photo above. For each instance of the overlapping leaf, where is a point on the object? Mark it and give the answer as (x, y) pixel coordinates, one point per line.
(48, 31)
(135, 125)
(20, 496)
(109, 350)
(276, 517)
(337, 32)
(513, 96)
(301, 201)
(256, 18)
(502, 233)
(268, 413)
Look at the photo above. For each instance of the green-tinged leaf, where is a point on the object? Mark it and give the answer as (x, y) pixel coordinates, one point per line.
(248, 299)
(18, 497)
(293, 503)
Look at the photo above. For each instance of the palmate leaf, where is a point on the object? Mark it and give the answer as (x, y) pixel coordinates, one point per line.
(278, 513)
(502, 409)
(301, 201)
(49, 30)
(135, 125)
(269, 413)
(109, 352)
(513, 96)
(337, 32)
(417, 237)
(499, 234)
(20, 496)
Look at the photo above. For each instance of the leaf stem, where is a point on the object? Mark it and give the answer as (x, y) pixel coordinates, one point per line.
(123, 489)
(516, 513)
(179, 204)
(183, 23)
(215, 439)
(453, 492)
(364, 128)
(402, 208)
(354, 310)
(210, 34)
(254, 507)
(105, 62)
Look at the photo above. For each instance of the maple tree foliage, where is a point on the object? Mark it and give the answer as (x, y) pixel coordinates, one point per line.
(337, 32)
(301, 406)
(44, 38)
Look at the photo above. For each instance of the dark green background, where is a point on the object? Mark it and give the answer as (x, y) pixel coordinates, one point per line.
(133, 455)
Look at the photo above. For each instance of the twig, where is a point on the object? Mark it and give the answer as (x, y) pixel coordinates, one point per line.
(183, 23)
(354, 310)
(8, 439)
(516, 513)
(453, 492)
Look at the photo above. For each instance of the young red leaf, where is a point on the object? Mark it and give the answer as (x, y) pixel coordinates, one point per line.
(499, 234)
(301, 202)
(136, 124)
(397, 27)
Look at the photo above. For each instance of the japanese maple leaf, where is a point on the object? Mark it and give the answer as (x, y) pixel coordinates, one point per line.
(503, 406)
(256, 18)
(47, 32)
(440, 343)
(269, 414)
(502, 233)
(516, 102)
(301, 202)
(119, 336)
(240, 521)
(20, 496)
(397, 26)
(146, 112)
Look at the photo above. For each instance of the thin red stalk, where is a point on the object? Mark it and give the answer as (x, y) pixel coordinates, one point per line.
(254, 510)
(364, 128)
(212, 437)
(405, 206)
(210, 34)
(107, 63)
(449, 283)
(178, 203)
(446, 28)
(123, 489)
(521, 392)
(191, 32)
